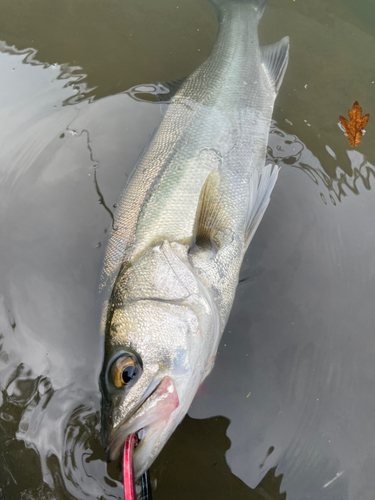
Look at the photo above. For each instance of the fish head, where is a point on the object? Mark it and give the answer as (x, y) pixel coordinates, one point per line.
(158, 347)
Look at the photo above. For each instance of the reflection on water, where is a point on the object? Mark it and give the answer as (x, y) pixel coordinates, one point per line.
(115, 42)
(286, 149)
(55, 434)
(290, 403)
(75, 78)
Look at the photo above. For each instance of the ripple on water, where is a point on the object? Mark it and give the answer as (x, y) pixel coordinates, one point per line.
(61, 430)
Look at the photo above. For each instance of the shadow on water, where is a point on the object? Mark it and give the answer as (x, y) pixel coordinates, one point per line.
(193, 465)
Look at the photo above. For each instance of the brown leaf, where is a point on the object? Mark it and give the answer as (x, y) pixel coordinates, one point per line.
(355, 126)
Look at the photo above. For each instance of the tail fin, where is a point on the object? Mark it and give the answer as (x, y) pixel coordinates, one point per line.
(258, 5)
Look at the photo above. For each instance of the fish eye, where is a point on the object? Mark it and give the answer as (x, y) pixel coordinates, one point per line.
(124, 370)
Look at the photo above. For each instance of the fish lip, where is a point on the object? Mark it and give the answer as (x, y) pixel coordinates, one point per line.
(118, 438)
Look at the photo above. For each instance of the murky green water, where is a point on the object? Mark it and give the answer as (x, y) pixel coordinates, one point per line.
(294, 383)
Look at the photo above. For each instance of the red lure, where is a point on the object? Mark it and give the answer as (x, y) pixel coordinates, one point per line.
(128, 468)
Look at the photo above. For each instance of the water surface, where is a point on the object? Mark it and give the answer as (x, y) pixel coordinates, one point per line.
(288, 410)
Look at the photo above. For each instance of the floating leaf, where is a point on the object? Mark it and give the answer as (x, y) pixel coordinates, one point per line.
(355, 126)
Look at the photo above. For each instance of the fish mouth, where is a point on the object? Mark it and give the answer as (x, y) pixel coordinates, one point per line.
(154, 411)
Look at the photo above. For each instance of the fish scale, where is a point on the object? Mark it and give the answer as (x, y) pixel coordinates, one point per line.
(181, 229)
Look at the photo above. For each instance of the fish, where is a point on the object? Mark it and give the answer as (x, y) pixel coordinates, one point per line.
(181, 229)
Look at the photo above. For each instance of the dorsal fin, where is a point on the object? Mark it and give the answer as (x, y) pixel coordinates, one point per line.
(275, 61)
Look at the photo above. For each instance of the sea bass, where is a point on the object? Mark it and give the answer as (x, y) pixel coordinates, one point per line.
(181, 229)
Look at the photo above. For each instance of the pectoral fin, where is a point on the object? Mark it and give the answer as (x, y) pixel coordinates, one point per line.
(210, 218)
(261, 186)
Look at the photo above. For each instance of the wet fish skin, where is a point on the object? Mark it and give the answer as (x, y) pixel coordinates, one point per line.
(181, 229)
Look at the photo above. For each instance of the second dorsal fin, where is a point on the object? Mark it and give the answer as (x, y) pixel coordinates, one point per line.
(275, 61)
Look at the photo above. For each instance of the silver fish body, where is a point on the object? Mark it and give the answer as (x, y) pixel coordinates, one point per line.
(181, 229)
